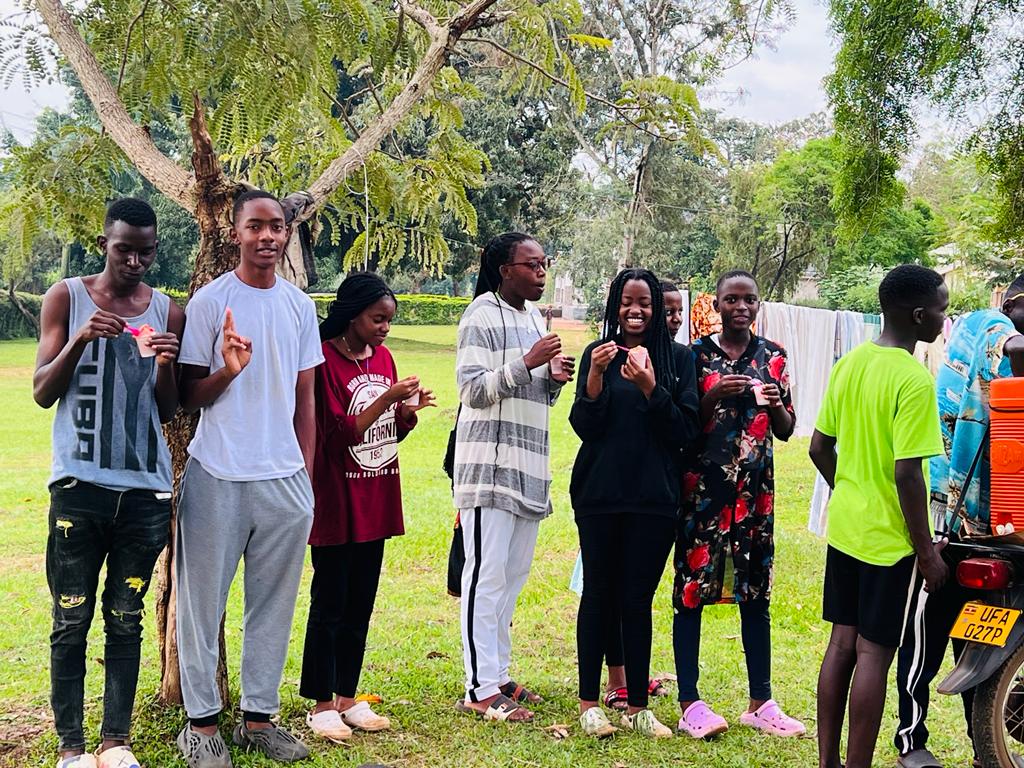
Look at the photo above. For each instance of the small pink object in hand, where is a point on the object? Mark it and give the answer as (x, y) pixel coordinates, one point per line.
(759, 396)
(142, 336)
(558, 368)
(413, 399)
(639, 356)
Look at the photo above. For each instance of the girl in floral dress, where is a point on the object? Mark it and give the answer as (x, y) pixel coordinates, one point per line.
(725, 548)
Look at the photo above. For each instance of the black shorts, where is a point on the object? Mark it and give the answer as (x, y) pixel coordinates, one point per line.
(872, 598)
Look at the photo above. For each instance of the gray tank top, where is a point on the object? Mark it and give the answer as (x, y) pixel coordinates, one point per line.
(107, 427)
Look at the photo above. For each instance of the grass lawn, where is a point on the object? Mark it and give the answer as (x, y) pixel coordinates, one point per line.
(414, 658)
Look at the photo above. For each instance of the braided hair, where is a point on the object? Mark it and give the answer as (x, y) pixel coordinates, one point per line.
(356, 292)
(498, 251)
(657, 339)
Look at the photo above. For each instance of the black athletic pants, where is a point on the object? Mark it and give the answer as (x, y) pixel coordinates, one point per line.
(930, 617)
(624, 556)
(344, 588)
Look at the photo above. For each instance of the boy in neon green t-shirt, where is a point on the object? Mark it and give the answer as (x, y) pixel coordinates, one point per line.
(878, 425)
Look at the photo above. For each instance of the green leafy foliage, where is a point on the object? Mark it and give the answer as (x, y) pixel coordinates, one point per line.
(288, 85)
(898, 54)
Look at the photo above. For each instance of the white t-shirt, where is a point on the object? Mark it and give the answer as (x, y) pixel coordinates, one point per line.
(247, 433)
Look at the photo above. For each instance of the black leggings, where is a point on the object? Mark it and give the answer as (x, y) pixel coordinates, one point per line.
(345, 579)
(756, 631)
(623, 560)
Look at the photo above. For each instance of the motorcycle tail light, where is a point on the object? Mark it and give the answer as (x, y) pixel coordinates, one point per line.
(984, 573)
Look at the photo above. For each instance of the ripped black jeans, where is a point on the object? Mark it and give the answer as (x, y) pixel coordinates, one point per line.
(89, 524)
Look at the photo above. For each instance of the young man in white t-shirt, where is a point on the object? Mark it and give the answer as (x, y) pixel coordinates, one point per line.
(250, 346)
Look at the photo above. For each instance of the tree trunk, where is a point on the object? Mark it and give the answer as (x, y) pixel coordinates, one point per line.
(636, 207)
(65, 261)
(18, 305)
(217, 255)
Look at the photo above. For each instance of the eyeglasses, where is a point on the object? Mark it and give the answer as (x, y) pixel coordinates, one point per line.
(534, 264)
(1014, 297)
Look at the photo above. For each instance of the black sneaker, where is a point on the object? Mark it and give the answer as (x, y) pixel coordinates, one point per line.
(274, 742)
(202, 751)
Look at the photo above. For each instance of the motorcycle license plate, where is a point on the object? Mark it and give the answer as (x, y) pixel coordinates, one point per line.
(985, 624)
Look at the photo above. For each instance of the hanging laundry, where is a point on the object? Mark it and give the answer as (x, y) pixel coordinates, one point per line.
(808, 336)
(852, 330)
(683, 336)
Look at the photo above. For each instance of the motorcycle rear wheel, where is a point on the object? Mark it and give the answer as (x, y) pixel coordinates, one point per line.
(998, 718)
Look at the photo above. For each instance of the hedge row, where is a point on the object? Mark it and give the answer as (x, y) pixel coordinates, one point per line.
(13, 324)
(413, 309)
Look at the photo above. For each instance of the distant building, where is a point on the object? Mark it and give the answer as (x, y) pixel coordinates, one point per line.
(959, 275)
(569, 298)
(807, 287)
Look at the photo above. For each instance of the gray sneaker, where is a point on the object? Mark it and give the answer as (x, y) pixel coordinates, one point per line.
(274, 742)
(202, 751)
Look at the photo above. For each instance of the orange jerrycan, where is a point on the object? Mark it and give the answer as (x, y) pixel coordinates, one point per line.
(1006, 400)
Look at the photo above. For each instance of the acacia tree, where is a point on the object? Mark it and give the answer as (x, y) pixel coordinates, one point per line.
(287, 96)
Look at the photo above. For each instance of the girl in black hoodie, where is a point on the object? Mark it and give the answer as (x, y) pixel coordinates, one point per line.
(636, 407)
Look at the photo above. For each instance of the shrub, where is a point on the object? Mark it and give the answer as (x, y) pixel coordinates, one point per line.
(414, 309)
(968, 299)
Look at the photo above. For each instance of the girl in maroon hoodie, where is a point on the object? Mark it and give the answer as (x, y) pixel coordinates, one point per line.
(363, 411)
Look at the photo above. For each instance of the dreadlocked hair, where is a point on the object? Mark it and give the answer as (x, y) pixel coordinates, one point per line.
(356, 292)
(657, 340)
(498, 251)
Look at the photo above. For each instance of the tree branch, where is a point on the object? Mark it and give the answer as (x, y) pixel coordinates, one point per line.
(127, 44)
(166, 175)
(421, 16)
(556, 79)
(436, 56)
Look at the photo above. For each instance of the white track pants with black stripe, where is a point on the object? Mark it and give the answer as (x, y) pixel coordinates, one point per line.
(499, 551)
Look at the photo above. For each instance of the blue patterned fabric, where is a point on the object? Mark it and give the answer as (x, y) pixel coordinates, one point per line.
(974, 357)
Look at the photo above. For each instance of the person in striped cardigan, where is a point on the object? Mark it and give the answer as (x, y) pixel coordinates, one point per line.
(509, 373)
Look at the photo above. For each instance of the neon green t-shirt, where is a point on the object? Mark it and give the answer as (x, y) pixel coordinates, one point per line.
(881, 407)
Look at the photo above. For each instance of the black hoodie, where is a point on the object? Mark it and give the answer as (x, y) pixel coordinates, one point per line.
(629, 459)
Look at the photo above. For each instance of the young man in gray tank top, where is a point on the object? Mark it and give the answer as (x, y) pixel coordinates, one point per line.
(110, 487)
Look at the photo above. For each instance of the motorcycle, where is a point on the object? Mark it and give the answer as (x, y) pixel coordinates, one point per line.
(993, 661)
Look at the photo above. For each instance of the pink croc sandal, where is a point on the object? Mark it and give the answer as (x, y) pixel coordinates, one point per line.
(769, 718)
(699, 721)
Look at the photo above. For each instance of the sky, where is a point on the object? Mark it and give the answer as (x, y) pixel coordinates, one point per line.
(785, 82)
(774, 87)
(18, 105)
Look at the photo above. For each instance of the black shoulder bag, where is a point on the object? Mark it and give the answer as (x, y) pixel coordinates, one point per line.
(456, 552)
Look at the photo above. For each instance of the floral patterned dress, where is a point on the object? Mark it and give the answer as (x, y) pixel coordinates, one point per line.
(725, 547)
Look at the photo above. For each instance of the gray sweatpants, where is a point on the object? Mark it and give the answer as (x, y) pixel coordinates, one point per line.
(266, 522)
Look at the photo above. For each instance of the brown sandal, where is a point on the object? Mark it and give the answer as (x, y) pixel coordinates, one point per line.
(502, 709)
(519, 693)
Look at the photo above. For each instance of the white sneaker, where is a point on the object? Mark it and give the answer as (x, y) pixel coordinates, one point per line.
(329, 725)
(117, 757)
(594, 722)
(365, 719)
(646, 724)
(77, 761)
